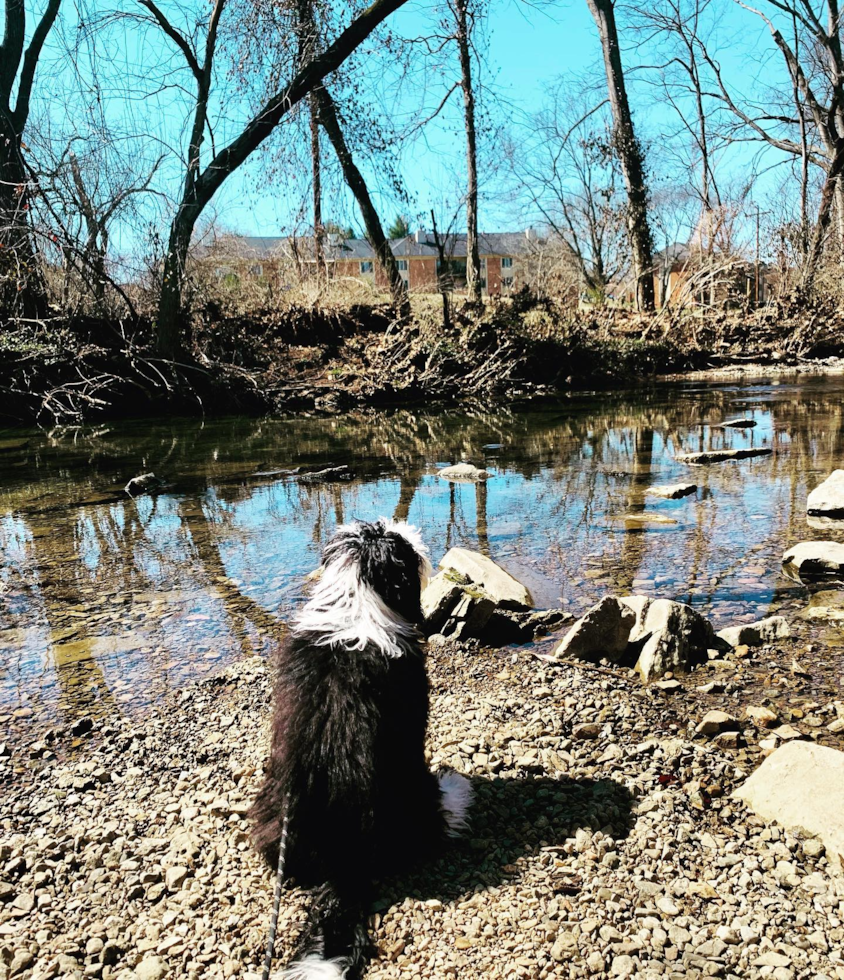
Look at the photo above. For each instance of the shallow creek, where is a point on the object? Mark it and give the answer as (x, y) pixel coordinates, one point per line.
(106, 602)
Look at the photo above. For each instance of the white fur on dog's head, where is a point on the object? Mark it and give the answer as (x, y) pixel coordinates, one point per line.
(346, 607)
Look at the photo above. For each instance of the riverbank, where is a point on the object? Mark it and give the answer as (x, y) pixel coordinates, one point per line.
(603, 841)
(331, 359)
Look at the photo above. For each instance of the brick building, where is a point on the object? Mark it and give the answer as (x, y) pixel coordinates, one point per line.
(504, 257)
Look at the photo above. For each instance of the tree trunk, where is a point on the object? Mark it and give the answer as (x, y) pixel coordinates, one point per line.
(316, 169)
(473, 260)
(629, 154)
(357, 185)
(170, 331)
(21, 282)
(813, 257)
(199, 191)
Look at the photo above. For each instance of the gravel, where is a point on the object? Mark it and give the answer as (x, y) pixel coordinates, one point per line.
(604, 842)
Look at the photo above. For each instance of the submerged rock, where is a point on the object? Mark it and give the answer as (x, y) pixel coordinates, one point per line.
(827, 605)
(721, 455)
(814, 561)
(801, 787)
(828, 497)
(145, 483)
(331, 474)
(463, 472)
(674, 491)
(755, 634)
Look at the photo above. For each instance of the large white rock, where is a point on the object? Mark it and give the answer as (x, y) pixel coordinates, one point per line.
(828, 497)
(755, 634)
(801, 787)
(814, 561)
(739, 424)
(506, 591)
(660, 634)
(463, 473)
(603, 632)
(672, 636)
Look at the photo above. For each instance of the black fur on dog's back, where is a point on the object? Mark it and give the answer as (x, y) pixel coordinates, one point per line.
(347, 760)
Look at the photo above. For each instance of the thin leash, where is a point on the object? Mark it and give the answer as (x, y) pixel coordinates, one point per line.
(282, 849)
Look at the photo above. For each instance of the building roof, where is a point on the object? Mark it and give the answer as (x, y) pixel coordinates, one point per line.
(420, 244)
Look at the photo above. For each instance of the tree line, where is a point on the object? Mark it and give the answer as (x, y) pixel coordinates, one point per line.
(84, 148)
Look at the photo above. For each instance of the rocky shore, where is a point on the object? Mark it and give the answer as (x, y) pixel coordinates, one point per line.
(604, 840)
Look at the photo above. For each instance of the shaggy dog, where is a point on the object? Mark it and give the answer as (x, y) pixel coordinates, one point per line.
(347, 760)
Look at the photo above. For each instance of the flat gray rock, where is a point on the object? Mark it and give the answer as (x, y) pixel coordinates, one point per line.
(828, 497)
(505, 590)
(673, 491)
(603, 632)
(801, 787)
(672, 635)
(463, 473)
(755, 634)
(814, 561)
(721, 455)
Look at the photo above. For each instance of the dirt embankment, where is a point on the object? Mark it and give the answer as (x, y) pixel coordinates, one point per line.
(331, 359)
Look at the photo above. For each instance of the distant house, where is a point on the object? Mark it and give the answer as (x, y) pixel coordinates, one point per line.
(686, 275)
(504, 257)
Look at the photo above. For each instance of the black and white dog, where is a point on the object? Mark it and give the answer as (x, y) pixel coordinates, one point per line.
(347, 761)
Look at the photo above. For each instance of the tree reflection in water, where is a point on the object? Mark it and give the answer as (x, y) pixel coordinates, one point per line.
(105, 601)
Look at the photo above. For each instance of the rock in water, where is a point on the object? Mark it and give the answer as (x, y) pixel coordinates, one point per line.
(463, 472)
(801, 786)
(755, 634)
(815, 561)
(738, 424)
(507, 592)
(828, 604)
(672, 636)
(721, 455)
(603, 632)
(331, 474)
(828, 498)
(674, 491)
(145, 483)
(459, 601)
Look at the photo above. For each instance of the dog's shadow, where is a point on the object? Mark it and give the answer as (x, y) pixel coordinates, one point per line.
(513, 819)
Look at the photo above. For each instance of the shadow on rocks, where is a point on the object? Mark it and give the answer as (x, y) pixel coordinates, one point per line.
(510, 819)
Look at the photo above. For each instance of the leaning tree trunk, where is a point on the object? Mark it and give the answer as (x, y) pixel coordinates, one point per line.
(357, 185)
(813, 257)
(170, 328)
(21, 284)
(473, 260)
(629, 154)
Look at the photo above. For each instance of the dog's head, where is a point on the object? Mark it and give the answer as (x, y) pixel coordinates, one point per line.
(386, 556)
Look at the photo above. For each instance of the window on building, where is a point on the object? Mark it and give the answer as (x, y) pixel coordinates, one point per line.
(483, 263)
(483, 282)
(402, 264)
(507, 282)
(366, 268)
(507, 263)
(256, 270)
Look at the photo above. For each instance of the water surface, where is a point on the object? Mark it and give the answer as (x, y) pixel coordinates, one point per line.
(106, 601)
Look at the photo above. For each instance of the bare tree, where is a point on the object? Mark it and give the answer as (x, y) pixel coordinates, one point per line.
(565, 163)
(629, 154)
(465, 13)
(19, 276)
(815, 66)
(202, 182)
(323, 110)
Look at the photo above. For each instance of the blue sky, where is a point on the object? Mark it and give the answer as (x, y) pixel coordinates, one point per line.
(529, 46)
